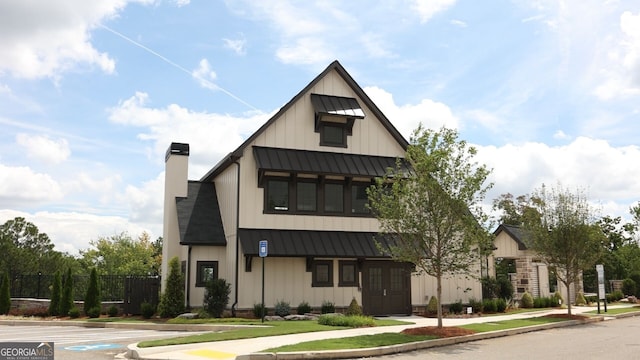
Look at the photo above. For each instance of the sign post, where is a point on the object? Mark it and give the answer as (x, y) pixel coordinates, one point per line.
(601, 292)
(263, 250)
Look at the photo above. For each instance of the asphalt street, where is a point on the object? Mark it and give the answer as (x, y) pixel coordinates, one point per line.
(75, 343)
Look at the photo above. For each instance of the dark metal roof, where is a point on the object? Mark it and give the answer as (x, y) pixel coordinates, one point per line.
(517, 233)
(303, 243)
(337, 105)
(177, 149)
(334, 66)
(320, 162)
(199, 219)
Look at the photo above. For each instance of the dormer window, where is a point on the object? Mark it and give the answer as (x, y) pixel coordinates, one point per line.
(334, 118)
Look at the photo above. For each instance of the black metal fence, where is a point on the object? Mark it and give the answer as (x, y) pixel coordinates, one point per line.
(112, 287)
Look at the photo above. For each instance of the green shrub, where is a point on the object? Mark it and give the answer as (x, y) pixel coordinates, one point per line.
(526, 301)
(56, 289)
(591, 299)
(172, 300)
(354, 308)
(489, 306)
(66, 299)
(501, 305)
(456, 307)
(92, 297)
(580, 300)
(629, 287)
(635, 276)
(303, 308)
(258, 310)
(112, 311)
(432, 306)
(327, 307)
(93, 312)
(557, 299)
(476, 305)
(282, 308)
(5, 295)
(147, 310)
(216, 297)
(74, 312)
(505, 288)
(354, 321)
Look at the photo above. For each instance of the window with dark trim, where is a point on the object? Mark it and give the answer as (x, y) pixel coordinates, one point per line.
(306, 193)
(322, 273)
(333, 135)
(206, 271)
(348, 273)
(359, 199)
(333, 198)
(277, 195)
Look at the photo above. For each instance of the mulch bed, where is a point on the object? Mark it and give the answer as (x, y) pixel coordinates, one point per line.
(567, 316)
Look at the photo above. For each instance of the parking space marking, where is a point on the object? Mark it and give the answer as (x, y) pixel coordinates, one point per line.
(211, 354)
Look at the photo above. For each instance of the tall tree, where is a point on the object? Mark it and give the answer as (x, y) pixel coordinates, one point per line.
(172, 300)
(66, 298)
(516, 210)
(567, 237)
(25, 250)
(54, 304)
(432, 207)
(122, 255)
(92, 297)
(5, 295)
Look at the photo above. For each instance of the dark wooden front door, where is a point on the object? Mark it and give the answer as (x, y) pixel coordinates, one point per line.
(386, 288)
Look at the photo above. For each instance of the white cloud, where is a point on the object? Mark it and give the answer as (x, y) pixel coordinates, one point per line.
(145, 204)
(406, 118)
(21, 186)
(429, 8)
(305, 50)
(458, 23)
(560, 135)
(238, 46)
(44, 149)
(205, 75)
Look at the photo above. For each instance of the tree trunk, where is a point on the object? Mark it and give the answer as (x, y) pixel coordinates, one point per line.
(439, 296)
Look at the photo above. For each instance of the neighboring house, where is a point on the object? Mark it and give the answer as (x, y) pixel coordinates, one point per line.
(530, 274)
(298, 182)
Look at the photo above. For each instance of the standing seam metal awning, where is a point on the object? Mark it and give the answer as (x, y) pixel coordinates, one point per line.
(323, 163)
(337, 106)
(306, 243)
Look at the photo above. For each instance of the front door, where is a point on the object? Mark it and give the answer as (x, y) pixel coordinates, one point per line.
(386, 288)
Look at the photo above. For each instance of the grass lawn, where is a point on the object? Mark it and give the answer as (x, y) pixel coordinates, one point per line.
(510, 324)
(621, 310)
(271, 328)
(355, 342)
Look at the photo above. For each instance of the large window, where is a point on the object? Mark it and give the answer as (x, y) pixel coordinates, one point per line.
(359, 199)
(277, 195)
(331, 135)
(306, 196)
(348, 273)
(322, 273)
(206, 271)
(333, 198)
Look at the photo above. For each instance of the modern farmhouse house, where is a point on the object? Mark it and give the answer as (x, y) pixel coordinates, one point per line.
(299, 183)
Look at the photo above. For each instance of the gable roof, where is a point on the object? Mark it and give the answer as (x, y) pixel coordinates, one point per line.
(199, 220)
(515, 232)
(334, 66)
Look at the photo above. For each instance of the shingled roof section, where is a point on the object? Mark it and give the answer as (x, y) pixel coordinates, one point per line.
(320, 162)
(303, 243)
(516, 233)
(199, 219)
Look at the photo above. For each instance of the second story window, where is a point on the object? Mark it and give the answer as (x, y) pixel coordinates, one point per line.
(333, 135)
(306, 196)
(277, 195)
(333, 198)
(359, 199)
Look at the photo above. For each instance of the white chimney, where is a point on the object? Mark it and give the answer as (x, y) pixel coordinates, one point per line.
(175, 185)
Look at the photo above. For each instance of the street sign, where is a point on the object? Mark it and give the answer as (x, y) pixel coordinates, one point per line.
(263, 248)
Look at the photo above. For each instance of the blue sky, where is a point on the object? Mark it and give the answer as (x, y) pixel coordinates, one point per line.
(93, 93)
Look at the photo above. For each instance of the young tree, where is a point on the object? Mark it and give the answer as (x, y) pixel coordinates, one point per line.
(5, 295)
(56, 288)
(430, 206)
(566, 236)
(172, 300)
(123, 255)
(92, 297)
(66, 300)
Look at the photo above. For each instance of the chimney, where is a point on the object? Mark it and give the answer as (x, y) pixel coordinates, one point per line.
(175, 185)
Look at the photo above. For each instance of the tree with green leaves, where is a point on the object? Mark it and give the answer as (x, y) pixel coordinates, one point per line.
(5, 295)
(122, 255)
(92, 297)
(516, 210)
(172, 299)
(430, 205)
(56, 289)
(566, 236)
(66, 299)
(25, 250)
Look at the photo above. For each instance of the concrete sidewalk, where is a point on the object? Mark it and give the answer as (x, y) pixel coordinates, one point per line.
(247, 348)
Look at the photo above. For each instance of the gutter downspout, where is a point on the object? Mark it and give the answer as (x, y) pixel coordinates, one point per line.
(188, 279)
(235, 304)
